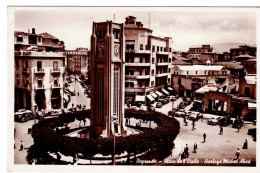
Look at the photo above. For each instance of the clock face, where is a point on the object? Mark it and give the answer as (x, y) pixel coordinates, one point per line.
(100, 49)
(116, 50)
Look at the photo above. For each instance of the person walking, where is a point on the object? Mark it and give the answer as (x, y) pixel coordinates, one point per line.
(221, 130)
(195, 147)
(204, 137)
(186, 151)
(237, 153)
(193, 125)
(21, 146)
(245, 145)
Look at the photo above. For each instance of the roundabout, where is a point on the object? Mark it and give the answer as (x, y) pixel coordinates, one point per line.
(148, 144)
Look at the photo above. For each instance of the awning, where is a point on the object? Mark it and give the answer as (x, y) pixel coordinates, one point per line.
(139, 98)
(154, 95)
(170, 89)
(150, 98)
(165, 92)
(158, 93)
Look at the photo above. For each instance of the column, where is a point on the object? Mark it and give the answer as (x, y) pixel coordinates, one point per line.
(48, 99)
(61, 98)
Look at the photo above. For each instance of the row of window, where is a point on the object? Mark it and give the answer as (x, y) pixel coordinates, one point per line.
(205, 72)
(199, 50)
(145, 60)
(39, 65)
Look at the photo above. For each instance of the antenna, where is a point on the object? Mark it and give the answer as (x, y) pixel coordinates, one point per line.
(149, 21)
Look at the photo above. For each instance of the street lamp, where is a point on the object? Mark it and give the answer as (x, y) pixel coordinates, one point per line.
(35, 107)
(114, 140)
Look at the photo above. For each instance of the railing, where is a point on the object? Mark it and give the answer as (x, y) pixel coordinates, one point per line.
(161, 74)
(137, 64)
(162, 53)
(55, 70)
(39, 70)
(25, 70)
(34, 53)
(40, 86)
(161, 63)
(55, 85)
(143, 77)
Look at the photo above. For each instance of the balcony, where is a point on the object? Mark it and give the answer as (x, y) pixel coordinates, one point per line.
(162, 75)
(143, 77)
(39, 54)
(55, 85)
(135, 64)
(55, 70)
(162, 63)
(143, 51)
(162, 53)
(39, 86)
(27, 86)
(26, 70)
(39, 71)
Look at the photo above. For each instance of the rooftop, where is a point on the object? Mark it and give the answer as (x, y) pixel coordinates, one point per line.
(201, 67)
(230, 65)
(205, 89)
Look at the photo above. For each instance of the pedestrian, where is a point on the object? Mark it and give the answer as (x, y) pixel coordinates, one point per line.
(78, 93)
(21, 146)
(221, 130)
(126, 122)
(204, 137)
(238, 128)
(245, 145)
(237, 153)
(186, 151)
(72, 105)
(195, 147)
(193, 125)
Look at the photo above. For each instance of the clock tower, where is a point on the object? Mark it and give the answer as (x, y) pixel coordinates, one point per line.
(107, 79)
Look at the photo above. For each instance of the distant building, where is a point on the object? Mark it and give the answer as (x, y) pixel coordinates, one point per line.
(188, 78)
(148, 63)
(247, 86)
(250, 66)
(39, 71)
(78, 61)
(196, 52)
(242, 50)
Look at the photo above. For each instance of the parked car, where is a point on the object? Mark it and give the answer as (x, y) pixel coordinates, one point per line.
(150, 108)
(238, 123)
(181, 105)
(214, 120)
(158, 105)
(179, 114)
(252, 132)
(23, 115)
(187, 101)
(167, 99)
(173, 98)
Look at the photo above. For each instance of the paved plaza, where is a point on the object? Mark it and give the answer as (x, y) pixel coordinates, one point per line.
(216, 147)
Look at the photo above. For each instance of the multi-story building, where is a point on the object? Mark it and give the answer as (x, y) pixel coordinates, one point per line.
(148, 62)
(78, 61)
(195, 53)
(242, 50)
(39, 71)
(188, 78)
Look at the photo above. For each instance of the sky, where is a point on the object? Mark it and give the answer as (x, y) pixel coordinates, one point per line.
(187, 26)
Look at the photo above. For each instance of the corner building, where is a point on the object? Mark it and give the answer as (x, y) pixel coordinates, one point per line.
(148, 63)
(39, 71)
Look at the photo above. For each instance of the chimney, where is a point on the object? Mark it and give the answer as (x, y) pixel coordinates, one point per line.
(33, 30)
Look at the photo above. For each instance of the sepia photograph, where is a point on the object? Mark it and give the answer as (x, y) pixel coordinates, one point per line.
(133, 86)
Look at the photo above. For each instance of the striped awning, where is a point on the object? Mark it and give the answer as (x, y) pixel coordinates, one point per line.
(139, 98)
(150, 98)
(170, 89)
(154, 95)
(165, 92)
(158, 93)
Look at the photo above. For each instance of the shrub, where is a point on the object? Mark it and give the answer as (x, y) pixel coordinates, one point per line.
(45, 136)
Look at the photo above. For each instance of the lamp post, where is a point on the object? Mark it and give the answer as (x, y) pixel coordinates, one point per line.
(35, 107)
(114, 140)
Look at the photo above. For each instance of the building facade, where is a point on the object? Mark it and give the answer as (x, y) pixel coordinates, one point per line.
(242, 50)
(195, 53)
(188, 78)
(39, 71)
(78, 61)
(148, 62)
